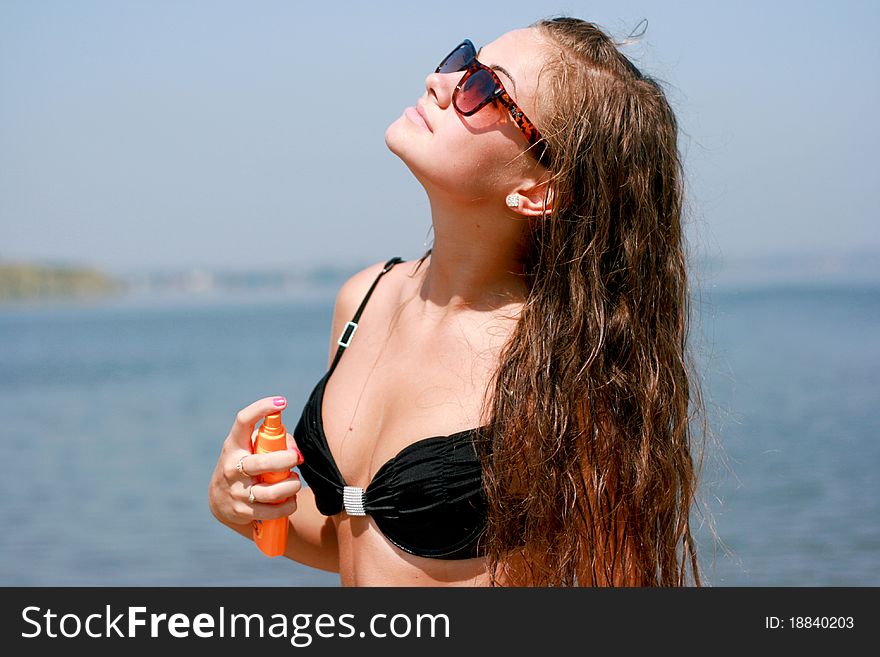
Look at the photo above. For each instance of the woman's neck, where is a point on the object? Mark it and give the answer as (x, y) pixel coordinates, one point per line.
(476, 261)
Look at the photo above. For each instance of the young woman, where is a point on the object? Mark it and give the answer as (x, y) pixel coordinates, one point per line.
(513, 407)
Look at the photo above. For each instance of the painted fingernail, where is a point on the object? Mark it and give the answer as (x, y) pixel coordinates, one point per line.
(279, 401)
(299, 455)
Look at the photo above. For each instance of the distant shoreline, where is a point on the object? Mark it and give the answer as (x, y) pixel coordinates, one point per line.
(24, 284)
(33, 284)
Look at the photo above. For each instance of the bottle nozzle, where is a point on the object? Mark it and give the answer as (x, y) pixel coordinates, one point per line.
(272, 425)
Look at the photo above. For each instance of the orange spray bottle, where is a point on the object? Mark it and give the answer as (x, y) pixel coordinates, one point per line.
(271, 535)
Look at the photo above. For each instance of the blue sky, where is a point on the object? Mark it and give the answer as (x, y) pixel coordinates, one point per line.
(138, 135)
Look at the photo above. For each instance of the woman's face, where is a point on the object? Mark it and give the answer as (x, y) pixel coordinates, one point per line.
(480, 155)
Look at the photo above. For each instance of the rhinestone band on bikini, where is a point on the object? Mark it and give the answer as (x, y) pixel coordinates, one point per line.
(353, 500)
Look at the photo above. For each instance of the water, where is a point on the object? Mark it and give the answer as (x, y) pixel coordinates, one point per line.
(113, 418)
(795, 387)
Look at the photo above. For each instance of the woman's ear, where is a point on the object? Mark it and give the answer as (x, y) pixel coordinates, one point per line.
(532, 200)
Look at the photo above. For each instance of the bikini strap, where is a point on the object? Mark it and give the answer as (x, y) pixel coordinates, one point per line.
(349, 329)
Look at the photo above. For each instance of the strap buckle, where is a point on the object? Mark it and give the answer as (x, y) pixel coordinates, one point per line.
(345, 340)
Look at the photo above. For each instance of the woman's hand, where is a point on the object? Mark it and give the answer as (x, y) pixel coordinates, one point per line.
(234, 495)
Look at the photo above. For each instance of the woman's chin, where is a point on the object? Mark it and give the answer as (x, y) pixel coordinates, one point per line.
(395, 136)
(419, 159)
(398, 142)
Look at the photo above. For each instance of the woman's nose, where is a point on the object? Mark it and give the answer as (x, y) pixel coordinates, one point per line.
(441, 86)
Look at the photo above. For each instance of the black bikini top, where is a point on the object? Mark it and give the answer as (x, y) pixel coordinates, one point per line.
(428, 499)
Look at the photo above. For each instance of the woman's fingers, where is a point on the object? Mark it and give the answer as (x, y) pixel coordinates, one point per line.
(240, 462)
(238, 471)
(274, 493)
(271, 500)
(254, 465)
(247, 418)
(291, 444)
(273, 511)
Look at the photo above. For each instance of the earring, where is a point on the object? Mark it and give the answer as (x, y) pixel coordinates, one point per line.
(512, 200)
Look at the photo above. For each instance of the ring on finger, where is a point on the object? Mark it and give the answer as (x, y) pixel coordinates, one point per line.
(240, 466)
(251, 497)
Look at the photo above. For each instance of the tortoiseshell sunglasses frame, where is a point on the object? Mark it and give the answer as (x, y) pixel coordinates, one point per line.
(498, 94)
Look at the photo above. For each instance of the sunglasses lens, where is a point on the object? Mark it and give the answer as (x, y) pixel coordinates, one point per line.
(457, 60)
(476, 91)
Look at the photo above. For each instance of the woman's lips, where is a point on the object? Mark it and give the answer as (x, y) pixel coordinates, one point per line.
(413, 115)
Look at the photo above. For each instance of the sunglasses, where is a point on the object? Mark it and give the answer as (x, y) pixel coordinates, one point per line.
(480, 86)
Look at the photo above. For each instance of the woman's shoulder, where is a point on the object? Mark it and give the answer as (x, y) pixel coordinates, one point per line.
(355, 288)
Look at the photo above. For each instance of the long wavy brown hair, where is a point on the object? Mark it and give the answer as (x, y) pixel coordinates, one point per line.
(589, 464)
